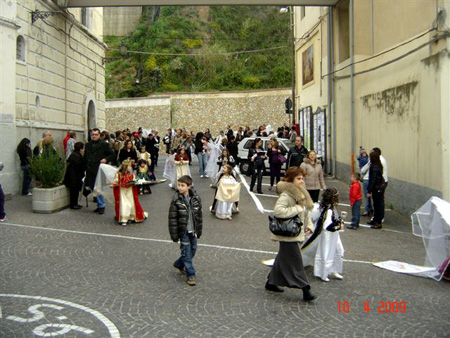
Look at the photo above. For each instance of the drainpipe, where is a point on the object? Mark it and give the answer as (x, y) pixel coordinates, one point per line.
(291, 13)
(352, 87)
(330, 113)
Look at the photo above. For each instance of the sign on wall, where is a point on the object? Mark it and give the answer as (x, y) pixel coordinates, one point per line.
(319, 133)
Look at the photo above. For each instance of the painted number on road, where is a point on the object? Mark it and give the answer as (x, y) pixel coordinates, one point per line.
(41, 329)
(49, 317)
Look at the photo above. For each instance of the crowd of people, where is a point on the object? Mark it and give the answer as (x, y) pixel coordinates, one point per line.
(134, 155)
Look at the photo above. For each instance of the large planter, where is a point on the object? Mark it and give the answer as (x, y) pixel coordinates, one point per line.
(48, 200)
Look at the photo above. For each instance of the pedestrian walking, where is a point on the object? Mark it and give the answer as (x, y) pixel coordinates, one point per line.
(3, 217)
(73, 179)
(297, 154)
(324, 247)
(314, 180)
(96, 152)
(288, 267)
(25, 154)
(375, 189)
(257, 156)
(185, 225)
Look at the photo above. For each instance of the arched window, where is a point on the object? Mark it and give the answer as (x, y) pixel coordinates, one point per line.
(20, 48)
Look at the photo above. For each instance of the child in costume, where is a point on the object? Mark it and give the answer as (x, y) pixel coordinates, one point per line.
(142, 174)
(324, 246)
(144, 155)
(225, 158)
(182, 163)
(227, 194)
(126, 199)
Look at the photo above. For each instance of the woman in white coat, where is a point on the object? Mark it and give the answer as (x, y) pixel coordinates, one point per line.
(288, 266)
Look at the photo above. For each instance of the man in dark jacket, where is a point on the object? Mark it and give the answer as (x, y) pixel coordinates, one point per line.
(73, 178)
(296, 154)
(96, 152)
(185, 224)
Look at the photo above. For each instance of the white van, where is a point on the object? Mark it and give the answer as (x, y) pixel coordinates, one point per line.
(246, 143)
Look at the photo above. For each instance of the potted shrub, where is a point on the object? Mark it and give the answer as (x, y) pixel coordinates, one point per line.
(50, 194)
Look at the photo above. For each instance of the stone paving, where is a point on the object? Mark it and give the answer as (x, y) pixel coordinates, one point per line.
(85, 276)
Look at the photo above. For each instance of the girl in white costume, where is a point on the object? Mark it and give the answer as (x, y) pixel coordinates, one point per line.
(182, 162)
(324, 246)
(227, 194)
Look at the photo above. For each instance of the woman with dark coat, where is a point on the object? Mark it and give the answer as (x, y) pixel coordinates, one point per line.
(288, 267)
(257, 156)
(273, 153)
(24, 151)
(376, 188)
(74, 174)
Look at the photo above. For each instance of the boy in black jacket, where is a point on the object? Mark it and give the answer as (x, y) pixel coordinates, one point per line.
(185, 224)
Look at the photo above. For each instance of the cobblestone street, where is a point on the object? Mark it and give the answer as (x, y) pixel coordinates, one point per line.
(76, 274)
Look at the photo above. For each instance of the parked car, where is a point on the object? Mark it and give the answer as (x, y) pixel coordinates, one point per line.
(245, 144)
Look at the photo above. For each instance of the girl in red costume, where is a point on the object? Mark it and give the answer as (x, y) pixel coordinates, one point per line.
(126, 199)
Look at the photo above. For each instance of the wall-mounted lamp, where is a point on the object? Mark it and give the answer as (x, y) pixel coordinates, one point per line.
(123, 49)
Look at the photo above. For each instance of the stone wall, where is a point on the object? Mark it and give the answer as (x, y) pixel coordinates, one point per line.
(197, 111)
(147, 113)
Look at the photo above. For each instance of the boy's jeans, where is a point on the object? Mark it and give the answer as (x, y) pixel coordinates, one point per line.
(101, 201)
(188, 247)
(356, 211)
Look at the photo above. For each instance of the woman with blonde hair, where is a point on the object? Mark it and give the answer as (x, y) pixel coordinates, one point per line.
(288, 268)
(314, 180)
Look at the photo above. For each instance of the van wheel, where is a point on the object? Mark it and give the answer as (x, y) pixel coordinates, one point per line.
(244, 167)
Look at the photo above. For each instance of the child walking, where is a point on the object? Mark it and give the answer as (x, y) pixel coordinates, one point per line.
(227, 194)
(126, 199)
(185, 225)
(355, 201)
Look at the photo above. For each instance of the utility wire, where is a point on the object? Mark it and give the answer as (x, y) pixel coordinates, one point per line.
(203, 54)
(382, 53)
(435, 39)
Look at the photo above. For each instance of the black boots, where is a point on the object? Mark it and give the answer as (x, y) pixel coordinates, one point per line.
(307, 295)
(274, 288)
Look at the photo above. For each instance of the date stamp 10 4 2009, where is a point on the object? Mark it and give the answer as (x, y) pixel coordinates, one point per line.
(382, 307)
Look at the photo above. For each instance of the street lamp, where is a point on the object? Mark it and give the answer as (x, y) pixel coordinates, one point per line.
(290, 10)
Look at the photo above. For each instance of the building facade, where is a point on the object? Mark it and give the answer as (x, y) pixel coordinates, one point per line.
(53, 76)
(381, 73)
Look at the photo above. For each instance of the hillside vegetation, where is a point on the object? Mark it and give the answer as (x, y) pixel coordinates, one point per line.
(209, 33)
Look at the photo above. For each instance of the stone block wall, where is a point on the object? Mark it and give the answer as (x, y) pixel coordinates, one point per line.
(146, 113)
(197, 111)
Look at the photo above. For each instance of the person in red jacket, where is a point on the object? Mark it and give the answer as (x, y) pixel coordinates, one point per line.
(355, 201)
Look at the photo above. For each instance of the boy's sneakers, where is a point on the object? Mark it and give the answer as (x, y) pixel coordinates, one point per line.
(3, 219)
(191, 281)
(352, 227)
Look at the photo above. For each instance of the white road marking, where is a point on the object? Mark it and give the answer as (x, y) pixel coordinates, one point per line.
(265, 195)
(252, 195)
(152, 240)
(113, 331)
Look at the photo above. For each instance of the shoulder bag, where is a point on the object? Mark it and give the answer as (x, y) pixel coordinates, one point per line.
(288, 227)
